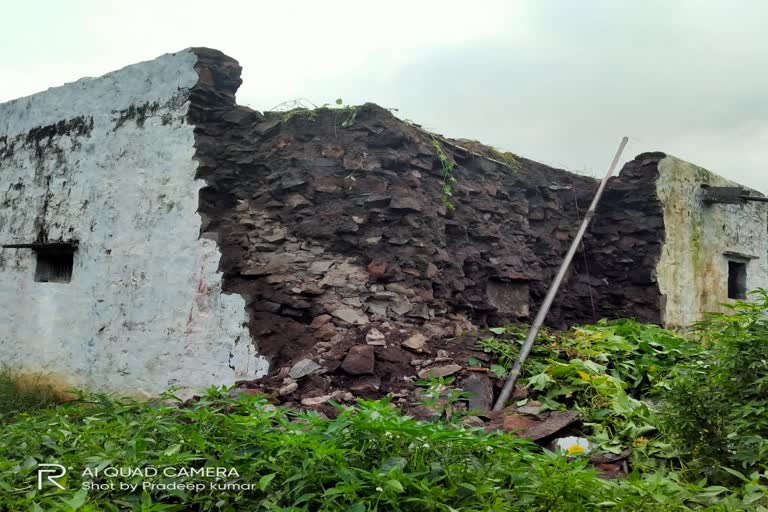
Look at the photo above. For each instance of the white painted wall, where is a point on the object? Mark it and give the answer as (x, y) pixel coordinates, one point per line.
(693, 268)
(144, 310)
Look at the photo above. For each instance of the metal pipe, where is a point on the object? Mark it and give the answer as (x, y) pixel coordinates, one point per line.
(542, 314)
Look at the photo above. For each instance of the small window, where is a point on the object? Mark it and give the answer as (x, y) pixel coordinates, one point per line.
(737, 279)
(54, 265)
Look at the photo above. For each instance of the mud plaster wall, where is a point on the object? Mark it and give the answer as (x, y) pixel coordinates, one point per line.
(693, 268)
(110, 162)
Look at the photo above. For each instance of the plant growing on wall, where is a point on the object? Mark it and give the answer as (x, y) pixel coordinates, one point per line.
(350, 112)
(302, 107)
(448, 167)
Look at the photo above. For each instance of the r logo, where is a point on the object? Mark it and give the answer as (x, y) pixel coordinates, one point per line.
(58, 470)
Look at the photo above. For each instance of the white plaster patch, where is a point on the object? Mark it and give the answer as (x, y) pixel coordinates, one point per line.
(144, 309)
(155, 80)
(692, 271)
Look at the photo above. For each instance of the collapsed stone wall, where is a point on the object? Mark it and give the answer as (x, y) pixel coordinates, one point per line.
(623, 246)
(353, 267)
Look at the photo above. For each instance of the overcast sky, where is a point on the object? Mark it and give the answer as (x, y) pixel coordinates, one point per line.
(555, 81)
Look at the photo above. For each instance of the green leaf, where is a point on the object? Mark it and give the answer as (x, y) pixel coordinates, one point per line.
(498, 330)
(393, 463)
(78, 500)
(499, 371)
(540, 381)
(735, 473)
(394, 485)
(173, 450)
(265, 480)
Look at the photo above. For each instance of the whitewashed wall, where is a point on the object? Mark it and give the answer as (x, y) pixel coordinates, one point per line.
(693, 268)
(144, 310)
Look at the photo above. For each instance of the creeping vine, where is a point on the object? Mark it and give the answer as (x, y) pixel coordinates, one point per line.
(448, 167)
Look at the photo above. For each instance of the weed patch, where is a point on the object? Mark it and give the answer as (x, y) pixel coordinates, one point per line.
(682, 406)
(22, 394)
(370, 457)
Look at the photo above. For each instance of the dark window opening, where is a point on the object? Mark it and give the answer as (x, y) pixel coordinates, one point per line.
(54, 265)
(737, 280)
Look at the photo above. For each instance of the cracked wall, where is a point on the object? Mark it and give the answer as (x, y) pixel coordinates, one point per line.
(701, 239)
(109, 162)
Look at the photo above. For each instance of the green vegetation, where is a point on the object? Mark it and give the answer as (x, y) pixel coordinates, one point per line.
(717, 405)
(691, 407)
(608, 372)
(368, 458)
(477, 147)
(508, 157)
(448, 166)
(19, 395)
(693, 412)
(302, 107)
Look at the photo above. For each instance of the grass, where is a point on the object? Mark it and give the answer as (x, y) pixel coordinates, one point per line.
(629, 380)
(369, 458)
(23, 394)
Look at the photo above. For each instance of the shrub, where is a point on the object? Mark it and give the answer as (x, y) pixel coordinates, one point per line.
(370, 457)
(716, 409)
(19, 394)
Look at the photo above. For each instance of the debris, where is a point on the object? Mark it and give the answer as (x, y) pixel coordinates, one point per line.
(360, 360)
(288, 389)
(278, 235)
(439, 371)
(554, 423)
(351, 316)
(367, 386)
(415, 342)
(419, 311)
(377, 269)
(319, 321)
(473, 422)
(317, 400)
(423, 413)
(610, 458)
(303, 368)
(532, 407)
(320, 267)
(342, 396)
(516, 423)
(375, 337)
(479, 389)
(400, 289)
(572, 445)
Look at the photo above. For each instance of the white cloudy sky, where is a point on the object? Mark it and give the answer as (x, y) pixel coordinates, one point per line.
(556, 81)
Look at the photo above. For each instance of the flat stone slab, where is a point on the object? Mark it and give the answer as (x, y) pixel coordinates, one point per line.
(555, 422)
(479, 389)
(303, 368)
(415, 342)
(351, 316)
(360, 360)
(439, 371)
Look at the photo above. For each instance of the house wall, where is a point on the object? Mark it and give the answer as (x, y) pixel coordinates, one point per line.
(207, 229)
(692, 271)
(110, 162)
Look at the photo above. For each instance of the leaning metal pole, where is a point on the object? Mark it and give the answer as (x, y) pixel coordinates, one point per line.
(542, 314)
